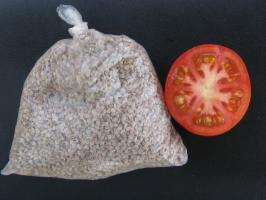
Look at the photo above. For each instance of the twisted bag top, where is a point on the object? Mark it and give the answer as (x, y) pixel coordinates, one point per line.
(91, 108)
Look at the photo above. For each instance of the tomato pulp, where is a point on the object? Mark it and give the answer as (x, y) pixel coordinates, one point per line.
(208, 89)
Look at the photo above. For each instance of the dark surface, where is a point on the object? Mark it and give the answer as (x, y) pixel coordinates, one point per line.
(232, 166)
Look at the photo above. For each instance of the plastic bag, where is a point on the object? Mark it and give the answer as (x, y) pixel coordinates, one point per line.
(92, 107)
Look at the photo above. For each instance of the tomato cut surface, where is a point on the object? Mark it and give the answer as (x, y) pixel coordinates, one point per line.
(208, 89)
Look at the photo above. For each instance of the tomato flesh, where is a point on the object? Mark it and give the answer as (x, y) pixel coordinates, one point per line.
(208, 89)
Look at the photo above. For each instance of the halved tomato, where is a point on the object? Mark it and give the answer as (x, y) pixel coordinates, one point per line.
(208, 89)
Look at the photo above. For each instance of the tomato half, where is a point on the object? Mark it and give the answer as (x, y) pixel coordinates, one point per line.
(208, 89)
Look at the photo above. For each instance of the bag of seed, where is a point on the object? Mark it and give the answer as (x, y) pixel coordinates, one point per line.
(92, 107)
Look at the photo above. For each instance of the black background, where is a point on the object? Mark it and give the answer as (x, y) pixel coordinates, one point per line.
(231, 166)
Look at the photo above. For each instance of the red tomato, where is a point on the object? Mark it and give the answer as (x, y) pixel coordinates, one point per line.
(208, 89)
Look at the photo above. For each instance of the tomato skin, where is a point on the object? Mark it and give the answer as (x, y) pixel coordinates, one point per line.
(185, 118)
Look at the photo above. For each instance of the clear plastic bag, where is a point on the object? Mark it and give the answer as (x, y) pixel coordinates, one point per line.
(92, 107)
